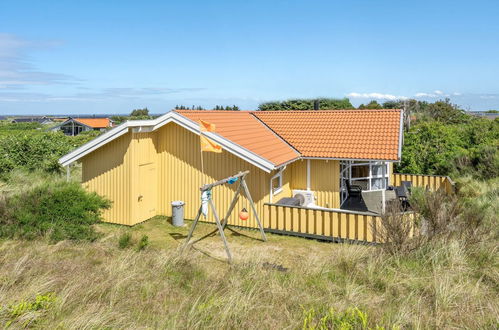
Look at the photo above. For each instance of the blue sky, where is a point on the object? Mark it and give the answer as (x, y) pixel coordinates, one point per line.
(61, 57)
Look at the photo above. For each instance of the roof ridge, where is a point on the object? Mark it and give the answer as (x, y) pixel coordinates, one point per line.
(323, 111)
(211, 111)
(275, 133)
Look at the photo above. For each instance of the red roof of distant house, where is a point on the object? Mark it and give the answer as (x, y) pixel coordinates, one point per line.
(95, 122)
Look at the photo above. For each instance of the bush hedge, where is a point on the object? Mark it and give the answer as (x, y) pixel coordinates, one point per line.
(469, 147)
(58, 210)
(35, 150)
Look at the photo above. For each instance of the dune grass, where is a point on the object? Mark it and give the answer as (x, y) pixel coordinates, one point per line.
(135, 278)
(284, 283)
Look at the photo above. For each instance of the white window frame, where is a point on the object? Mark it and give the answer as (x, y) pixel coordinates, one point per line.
(347, 167)
(274, 192)
(277, 190)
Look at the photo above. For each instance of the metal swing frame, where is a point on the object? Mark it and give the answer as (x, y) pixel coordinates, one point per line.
(241, 188)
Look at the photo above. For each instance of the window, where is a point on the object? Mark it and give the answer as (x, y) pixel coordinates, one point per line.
(369, 175)
(276, 183)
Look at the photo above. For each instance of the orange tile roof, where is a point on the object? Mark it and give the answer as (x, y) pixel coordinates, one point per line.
(244, 129)
(349, 134)
(95, 122)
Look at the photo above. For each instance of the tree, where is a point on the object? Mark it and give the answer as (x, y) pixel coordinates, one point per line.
(307, 104)
(139, 112)
(393, 104)
(371, 105)
(228, 107)
(183, 107)
(446, 112)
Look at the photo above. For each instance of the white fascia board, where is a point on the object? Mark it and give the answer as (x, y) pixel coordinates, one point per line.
(108, 137)
(94, 144)
(152, 125)
(356, 159)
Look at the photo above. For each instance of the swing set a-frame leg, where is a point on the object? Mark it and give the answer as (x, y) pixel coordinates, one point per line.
(222, 224)
(221, 230)
(219, 226)
(248, 196)
(191, 231)
(225, 220)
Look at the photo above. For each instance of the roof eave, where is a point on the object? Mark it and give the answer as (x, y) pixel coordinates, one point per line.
(359, 159)
(154, 124)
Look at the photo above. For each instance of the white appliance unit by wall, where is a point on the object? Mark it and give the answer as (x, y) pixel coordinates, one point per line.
(306, 197)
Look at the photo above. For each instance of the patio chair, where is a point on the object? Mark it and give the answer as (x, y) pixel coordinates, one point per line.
(403, 196)
(354, 190)
(407, 184)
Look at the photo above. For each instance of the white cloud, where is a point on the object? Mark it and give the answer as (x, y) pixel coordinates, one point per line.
(377, 96)
(148, 93)
(16, 72)
(381, 96)
(435, 94)
(489, 96)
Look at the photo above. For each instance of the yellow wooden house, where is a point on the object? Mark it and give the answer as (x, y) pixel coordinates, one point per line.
(144, 165)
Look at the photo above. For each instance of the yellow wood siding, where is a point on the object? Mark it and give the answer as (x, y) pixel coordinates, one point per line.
(336, 225)
(332, 224)
(432, 182)
(324, 180)
(107, 172)
(121, 171)
(180, 176)
(144, 176)
(142, 173)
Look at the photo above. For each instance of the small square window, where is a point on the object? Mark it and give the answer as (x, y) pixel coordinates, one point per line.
(276, 183)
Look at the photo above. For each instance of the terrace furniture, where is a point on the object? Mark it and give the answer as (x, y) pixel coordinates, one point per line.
(374, 199)
(403, 196)
(407, 184)
(353, 190)
(289, 201)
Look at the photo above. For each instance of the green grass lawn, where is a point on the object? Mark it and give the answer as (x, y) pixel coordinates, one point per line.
(283, 283)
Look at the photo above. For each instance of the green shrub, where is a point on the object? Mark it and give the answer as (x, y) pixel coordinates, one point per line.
(35, 150)
(59, 210)
(6, 126)
(25, 313)
(352, 318)
(467, 147)
(143, 243)
(307, 104)
(125, 240)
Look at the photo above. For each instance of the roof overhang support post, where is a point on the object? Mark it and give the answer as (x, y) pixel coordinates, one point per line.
(308, 174)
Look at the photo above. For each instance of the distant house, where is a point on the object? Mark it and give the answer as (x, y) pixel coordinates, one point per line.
(485, 114)
(74, 126)
(42, 120)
